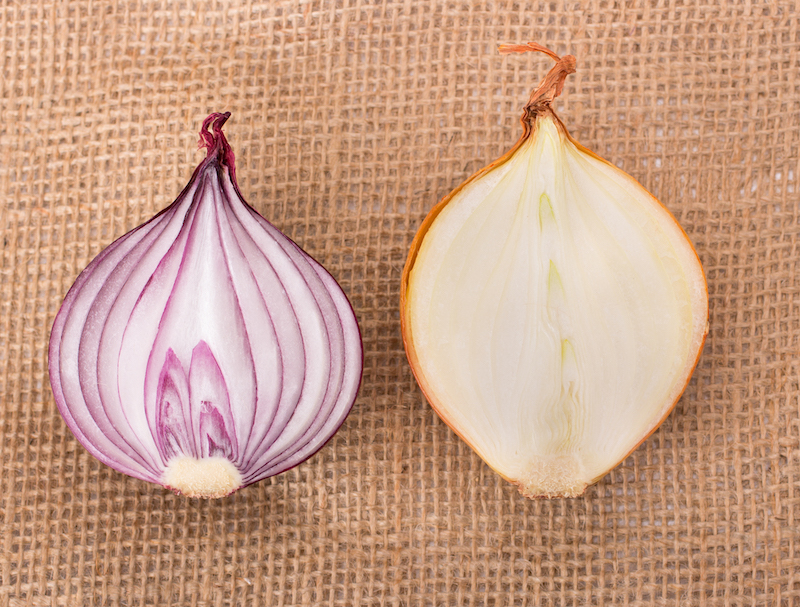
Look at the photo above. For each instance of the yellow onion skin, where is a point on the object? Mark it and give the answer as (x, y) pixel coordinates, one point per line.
(538, 480)
(204, 350)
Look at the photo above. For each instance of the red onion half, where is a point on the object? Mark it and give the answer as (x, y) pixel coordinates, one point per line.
(205, 350)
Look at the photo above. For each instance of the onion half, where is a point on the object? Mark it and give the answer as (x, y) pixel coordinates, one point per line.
(204, 350)
(552, 309)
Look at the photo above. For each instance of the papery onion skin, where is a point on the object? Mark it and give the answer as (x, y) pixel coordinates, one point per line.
(538, 108)
(204, 350)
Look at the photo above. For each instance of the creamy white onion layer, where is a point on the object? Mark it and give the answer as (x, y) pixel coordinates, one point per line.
(556, 310)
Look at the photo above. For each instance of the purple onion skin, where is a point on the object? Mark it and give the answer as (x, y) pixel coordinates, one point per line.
(204, 350)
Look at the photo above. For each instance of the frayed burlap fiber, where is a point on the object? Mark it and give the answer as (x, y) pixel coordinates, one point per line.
(350, 120)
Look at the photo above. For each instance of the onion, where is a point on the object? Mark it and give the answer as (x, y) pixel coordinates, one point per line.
(552, 309)
(204, 350)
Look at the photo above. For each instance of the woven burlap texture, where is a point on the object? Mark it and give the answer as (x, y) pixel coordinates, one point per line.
(350, 119)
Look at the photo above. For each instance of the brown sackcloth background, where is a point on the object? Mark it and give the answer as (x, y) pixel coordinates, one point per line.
(351, 118)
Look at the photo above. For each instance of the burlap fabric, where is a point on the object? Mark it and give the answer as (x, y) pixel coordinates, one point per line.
(351, 118)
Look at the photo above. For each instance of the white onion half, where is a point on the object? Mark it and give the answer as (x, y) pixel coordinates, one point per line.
(553, 311)
(204, 350)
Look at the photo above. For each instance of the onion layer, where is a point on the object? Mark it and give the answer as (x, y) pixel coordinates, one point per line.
(552, 309)
(205, 350)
